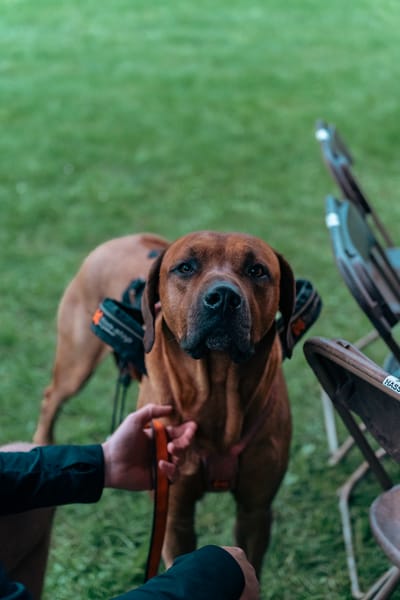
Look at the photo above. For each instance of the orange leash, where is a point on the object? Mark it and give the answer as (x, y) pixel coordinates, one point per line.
(161, 489)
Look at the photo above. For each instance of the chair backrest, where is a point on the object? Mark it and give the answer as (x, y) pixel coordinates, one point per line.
(339, 162)
(358, 386)
(365, 269)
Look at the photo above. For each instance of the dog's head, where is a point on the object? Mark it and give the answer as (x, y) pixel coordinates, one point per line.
(218, 292)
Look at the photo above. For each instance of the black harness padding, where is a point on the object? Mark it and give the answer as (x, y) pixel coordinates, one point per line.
(307, 309)
(132, 296)
(120, 324)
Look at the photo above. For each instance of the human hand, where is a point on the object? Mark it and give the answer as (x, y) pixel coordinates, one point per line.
(251, 590)
(128, 453)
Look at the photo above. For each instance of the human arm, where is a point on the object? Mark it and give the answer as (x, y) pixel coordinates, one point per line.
(55, 475)
(210, 573)
(12, 590)
(50, 476)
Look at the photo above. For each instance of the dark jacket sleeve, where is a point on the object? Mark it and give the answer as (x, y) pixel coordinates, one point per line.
(209, 573)
(12, 590)
(50, 476)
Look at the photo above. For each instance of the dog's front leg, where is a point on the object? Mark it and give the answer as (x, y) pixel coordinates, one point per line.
(260, 474)
(180, 536)
(252, 533)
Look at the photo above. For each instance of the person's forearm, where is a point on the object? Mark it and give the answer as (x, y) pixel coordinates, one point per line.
(206, 574)
(50, 476)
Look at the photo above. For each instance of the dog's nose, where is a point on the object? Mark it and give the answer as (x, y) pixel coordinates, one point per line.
(223, 297)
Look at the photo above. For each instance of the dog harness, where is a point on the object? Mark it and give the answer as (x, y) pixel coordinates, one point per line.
(120, 325)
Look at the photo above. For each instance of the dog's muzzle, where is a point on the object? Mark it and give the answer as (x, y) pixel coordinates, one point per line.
(220, 321)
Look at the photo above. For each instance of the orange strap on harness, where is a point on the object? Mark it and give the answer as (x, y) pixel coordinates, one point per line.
(161, 489)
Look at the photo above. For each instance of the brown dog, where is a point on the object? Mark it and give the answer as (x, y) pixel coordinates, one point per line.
(213, 353)
(106, 271)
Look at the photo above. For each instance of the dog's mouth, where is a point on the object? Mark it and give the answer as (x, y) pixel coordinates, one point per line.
(219, 341)
(237, 345)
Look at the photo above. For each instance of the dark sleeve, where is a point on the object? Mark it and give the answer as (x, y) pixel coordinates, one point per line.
(50, 476)
(209, 573)
(12, 590)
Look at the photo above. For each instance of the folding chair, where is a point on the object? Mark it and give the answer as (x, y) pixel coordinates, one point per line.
(339, 163)
(373, 283)
(361, 390)
(365, 269)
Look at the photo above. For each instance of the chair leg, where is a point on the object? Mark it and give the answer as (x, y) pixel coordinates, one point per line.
(330, 425)
(344, 495)
(384, 586)
(344, 508)
(336, 451)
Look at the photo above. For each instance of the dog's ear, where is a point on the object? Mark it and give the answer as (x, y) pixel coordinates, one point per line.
(149, 300)
(287, 300)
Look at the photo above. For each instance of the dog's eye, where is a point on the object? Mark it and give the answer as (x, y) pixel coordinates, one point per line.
(257, 271)
(185, 268)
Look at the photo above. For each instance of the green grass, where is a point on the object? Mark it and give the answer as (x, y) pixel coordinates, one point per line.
(122, 117)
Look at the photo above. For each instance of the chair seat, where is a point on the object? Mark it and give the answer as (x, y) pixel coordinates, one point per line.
(385, 523)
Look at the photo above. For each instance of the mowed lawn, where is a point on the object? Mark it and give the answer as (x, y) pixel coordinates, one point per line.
(170, 117)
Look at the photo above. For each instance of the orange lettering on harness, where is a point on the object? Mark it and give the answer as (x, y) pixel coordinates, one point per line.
(298, 327)
(97, 316)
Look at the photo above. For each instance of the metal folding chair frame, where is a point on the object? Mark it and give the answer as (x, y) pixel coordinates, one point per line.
(339, 162)
(372, 282)
(357, 386)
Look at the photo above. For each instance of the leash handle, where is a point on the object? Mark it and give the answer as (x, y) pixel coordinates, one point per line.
(161, 490)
